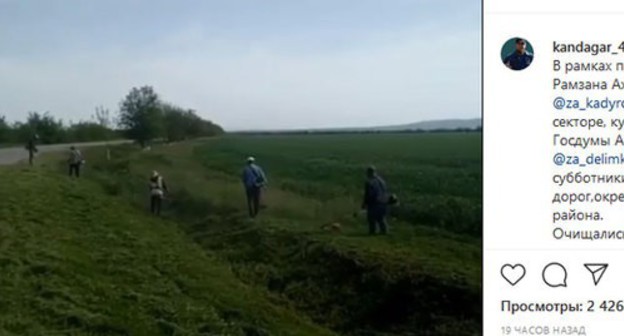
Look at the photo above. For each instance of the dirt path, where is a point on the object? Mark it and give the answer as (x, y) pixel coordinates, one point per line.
(14, 155)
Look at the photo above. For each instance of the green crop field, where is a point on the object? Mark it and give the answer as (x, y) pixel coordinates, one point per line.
(279, 274)
(438, 176)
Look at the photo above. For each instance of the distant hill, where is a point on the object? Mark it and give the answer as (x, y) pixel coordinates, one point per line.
(446, 124)
(422, 126)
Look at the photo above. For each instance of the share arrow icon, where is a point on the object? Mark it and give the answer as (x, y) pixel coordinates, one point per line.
(597, 271)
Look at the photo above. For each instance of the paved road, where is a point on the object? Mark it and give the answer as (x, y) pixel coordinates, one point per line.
(14, 155)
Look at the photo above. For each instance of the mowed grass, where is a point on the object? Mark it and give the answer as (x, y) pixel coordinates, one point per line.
(75, 261)
(188, 170)
(425, 276)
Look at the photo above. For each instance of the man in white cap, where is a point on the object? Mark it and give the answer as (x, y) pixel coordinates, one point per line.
(254, 180)
(157, 192)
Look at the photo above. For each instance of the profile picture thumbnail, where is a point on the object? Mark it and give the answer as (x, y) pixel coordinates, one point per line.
(517, 54)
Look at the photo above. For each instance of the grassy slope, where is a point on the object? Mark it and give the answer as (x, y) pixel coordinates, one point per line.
(209, 206)
(74, 261)
(446, 254)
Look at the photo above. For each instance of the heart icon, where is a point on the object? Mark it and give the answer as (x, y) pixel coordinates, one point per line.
(513, 273)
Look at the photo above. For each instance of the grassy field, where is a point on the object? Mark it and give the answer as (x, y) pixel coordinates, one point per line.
(282, 273)
(437, 176)
(75, 261)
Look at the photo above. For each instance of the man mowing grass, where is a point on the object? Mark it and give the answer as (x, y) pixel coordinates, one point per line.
(376, 202)
(75, 161)
(158, 187)
(254, 180)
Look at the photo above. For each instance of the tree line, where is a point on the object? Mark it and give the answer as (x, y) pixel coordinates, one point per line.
(142, 117)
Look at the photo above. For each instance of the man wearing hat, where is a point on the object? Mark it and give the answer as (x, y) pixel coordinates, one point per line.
(375, 202)
(254, 180)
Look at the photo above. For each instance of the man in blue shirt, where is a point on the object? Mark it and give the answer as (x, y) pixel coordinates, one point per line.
(520, 59)
(254, 180)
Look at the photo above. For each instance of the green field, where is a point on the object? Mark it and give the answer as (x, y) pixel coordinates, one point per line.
(437, 176)
(214, 272)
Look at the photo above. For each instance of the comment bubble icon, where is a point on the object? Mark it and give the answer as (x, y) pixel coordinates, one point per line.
(555, 275)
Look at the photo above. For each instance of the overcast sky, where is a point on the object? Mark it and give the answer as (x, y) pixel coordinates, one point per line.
(245, 64)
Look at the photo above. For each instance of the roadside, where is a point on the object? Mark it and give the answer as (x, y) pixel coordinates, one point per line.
(415, 279)
(112, 269)
(13, 155)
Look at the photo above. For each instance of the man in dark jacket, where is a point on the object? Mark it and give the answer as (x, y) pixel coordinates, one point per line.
(521, 58)
(375, 202)
(31, 147)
